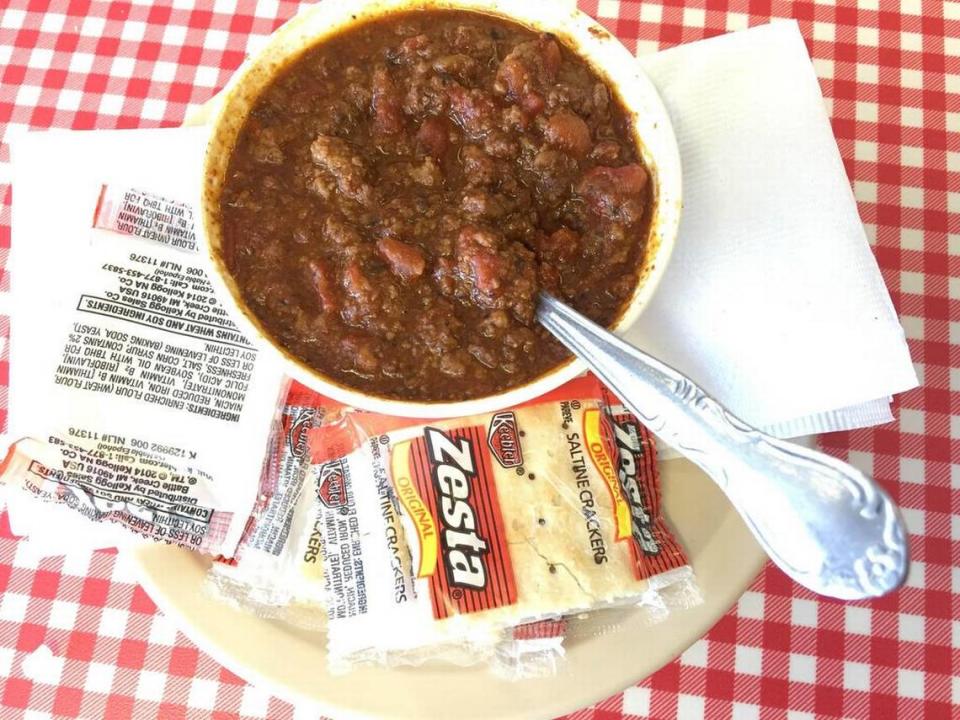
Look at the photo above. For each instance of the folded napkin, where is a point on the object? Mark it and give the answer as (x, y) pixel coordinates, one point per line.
(772, 300)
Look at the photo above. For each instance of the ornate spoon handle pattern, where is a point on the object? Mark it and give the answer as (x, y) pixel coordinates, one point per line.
(822, 521)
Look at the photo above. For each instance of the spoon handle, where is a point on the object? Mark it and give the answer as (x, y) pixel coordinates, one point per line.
(822, 521)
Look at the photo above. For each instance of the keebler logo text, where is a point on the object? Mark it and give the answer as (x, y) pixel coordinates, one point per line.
(504, 440)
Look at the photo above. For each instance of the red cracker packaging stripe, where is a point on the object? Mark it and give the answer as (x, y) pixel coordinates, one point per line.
(476, 575)
(146, 215)
(655, 550)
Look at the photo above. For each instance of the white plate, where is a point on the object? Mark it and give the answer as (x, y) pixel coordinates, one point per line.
(291, 663)
(605, 653)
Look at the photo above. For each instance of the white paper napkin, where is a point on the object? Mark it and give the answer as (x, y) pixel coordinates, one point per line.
(156, 449)
(772, 300)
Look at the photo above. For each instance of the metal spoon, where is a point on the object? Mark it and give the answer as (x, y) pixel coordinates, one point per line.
(823, 522)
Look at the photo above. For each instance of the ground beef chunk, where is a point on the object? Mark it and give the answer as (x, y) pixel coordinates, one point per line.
(426, 172)
(339, 166)
(559, 246)
(412, 49)
(479, 169)
(386, 103)
(616, 193)
(497, 274)
(266, 149)
(554, 172)
(474, 41)
(568, 132)
(473, 109)
(528, 67)
(405, 260)
(459, 66)
(606, 152)
(433, 137)
(341, 234)
(360, 354)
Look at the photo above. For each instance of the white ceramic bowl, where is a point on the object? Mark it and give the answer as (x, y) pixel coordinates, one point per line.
(654, 136)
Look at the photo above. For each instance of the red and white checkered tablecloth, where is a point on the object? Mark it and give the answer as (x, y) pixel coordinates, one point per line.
(890, 70)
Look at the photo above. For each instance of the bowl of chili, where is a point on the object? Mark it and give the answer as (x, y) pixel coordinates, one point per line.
(390, 184)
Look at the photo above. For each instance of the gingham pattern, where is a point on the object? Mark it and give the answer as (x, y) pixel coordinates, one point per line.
(891, 75)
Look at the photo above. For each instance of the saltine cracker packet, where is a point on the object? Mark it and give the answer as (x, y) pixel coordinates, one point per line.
(445, 533)
(136, 401)
(277, 571)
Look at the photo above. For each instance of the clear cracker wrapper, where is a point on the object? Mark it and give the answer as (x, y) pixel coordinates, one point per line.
(468, 540)
(277, 571)
(140, 403)
(446, 533)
